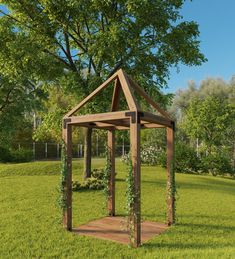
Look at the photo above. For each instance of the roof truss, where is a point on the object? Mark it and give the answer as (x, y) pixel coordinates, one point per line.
(120, 119)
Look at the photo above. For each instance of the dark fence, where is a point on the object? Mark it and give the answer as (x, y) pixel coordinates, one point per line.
(42, 151)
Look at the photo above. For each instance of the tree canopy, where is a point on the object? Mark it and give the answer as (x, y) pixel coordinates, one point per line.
(79, 43)
(94, 38)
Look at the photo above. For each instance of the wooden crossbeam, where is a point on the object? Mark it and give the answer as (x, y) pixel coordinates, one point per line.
(103, 125)
(149, 117)
(151, 125)
(99, 117)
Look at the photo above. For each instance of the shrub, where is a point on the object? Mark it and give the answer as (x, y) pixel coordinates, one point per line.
(89, 184)
(185, 159)
(21, 155)
(76, 186)
(5, 155)
(98, 174)
(16, 156)
(217, 163)
(96, 182)
(93, 184)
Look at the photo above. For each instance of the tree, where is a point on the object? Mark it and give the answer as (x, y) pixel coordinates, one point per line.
(212, 121)
(85, 41)
(17, 96)
(216, 87)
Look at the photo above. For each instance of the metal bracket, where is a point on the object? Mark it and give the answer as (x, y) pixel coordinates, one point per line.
(133, 116)
(65, 122)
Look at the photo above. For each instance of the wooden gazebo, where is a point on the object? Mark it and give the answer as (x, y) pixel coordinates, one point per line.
(133, 119)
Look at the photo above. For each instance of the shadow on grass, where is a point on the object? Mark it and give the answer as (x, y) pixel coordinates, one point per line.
(224, 187)
(201, 232)
(182, 246)
(210, 227)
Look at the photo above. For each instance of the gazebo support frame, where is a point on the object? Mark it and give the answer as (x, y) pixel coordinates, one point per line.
(133, 119)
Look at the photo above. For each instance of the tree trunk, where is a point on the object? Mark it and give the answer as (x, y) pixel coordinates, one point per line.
(87, 152)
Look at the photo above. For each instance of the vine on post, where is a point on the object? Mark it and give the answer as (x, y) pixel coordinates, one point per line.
(171, 194)
(62, 201)
(130, 202)
(107, 175)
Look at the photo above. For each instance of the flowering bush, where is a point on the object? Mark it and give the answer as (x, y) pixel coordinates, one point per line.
(149, 156)
(126, 158)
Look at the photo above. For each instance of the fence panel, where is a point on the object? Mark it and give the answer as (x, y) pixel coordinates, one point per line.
(42, 151)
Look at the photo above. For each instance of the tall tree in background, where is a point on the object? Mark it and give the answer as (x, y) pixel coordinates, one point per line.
(82, 42)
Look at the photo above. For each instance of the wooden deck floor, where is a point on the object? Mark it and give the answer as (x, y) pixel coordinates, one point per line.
(114, 229)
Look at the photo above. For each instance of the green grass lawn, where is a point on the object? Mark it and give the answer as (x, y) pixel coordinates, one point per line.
(30, 228)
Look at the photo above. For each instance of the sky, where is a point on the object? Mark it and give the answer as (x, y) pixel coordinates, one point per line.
(216, 19)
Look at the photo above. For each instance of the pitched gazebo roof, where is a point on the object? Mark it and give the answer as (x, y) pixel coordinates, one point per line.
(115, 119)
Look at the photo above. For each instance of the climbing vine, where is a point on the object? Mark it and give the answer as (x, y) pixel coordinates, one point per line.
(107, 174)
(62, 201)
(130, 200)
(171, 193)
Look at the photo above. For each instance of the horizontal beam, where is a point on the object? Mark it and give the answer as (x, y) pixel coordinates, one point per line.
(99, 117)
(152, 118)
(119, 120)
(103, 125)
(151, 125)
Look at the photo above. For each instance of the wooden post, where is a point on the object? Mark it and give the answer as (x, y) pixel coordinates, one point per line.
(111, 154)
(135, 156)
(67, 213)
(87, 152)
(170, 177)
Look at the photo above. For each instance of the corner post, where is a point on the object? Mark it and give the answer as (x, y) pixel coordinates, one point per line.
(87, 152)
(111, 156)
(170, 176)
(67, 212)
(135, 158)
